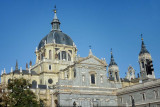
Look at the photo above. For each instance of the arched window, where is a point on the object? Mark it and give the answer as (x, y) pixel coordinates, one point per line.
(34, 83)
(110, 74)
(41, 56)
(142, 64)
(75, 74)
(116, 74)
(41, 81)
(64, 55)
(101, 79)
(9, 80)
(50, 54)
(50, 67)
(59, 56)
(92, 78)
(69, 57)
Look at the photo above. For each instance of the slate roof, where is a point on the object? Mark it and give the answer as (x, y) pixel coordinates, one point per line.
(25, 72)
(143, 49)
(58, 36)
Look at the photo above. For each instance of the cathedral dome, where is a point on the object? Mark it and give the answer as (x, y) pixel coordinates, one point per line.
(57, 37)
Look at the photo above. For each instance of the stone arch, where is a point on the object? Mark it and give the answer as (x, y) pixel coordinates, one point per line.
(34, 83)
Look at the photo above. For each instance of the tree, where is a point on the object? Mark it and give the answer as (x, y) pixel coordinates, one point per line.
(19, 95)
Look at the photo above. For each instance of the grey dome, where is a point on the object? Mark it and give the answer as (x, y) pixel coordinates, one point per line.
(56, 36)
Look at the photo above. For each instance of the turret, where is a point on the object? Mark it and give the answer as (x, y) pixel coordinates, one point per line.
(145, 62)
(130, 73)
(113, 69)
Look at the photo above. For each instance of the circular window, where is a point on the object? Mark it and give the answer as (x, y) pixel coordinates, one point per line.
(50, 81)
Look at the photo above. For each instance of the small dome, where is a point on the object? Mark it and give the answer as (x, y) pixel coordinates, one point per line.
(57, 37)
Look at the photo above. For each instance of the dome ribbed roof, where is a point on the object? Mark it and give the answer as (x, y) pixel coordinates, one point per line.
(57, 37)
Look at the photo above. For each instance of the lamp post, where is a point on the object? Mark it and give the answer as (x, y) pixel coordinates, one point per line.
(133, 103)
(74, 104)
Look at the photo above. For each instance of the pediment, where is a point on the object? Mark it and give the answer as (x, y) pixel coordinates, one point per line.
(93, 61)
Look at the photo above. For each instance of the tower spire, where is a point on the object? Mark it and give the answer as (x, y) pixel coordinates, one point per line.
(145, 62)
(16, 67)
(143, 47)
(112, 62)
(55, 22)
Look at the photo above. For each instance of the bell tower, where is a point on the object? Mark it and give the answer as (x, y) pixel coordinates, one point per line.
(145, 62)
(113, 70)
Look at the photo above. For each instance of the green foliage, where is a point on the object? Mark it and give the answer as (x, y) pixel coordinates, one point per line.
(19, 94)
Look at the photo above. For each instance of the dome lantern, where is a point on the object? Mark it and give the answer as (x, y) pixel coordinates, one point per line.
(55, 22)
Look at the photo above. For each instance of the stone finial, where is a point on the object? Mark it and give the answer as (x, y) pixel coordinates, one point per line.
(36, 49)
(90, 51)
(11, 69)
(45, 42)
(30, 63)
(2, 72)
(29, 71)
(20, 69)
(26, 66)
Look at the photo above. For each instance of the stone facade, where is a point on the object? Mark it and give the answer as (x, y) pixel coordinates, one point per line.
(60, 77)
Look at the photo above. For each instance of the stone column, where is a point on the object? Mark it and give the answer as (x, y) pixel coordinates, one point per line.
(65, 74)
(52, 101)
(70, 73)
(60, 55)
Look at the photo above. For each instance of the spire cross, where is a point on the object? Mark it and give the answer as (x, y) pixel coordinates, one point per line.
(90, 46)
(141, 37)
(111, 50)
(55, 10)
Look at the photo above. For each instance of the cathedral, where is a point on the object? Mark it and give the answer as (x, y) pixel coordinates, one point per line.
(62, 78)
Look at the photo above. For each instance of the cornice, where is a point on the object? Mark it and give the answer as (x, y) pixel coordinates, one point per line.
(139, 87)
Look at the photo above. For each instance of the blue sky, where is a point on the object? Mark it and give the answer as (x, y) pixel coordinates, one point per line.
(103, 24)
